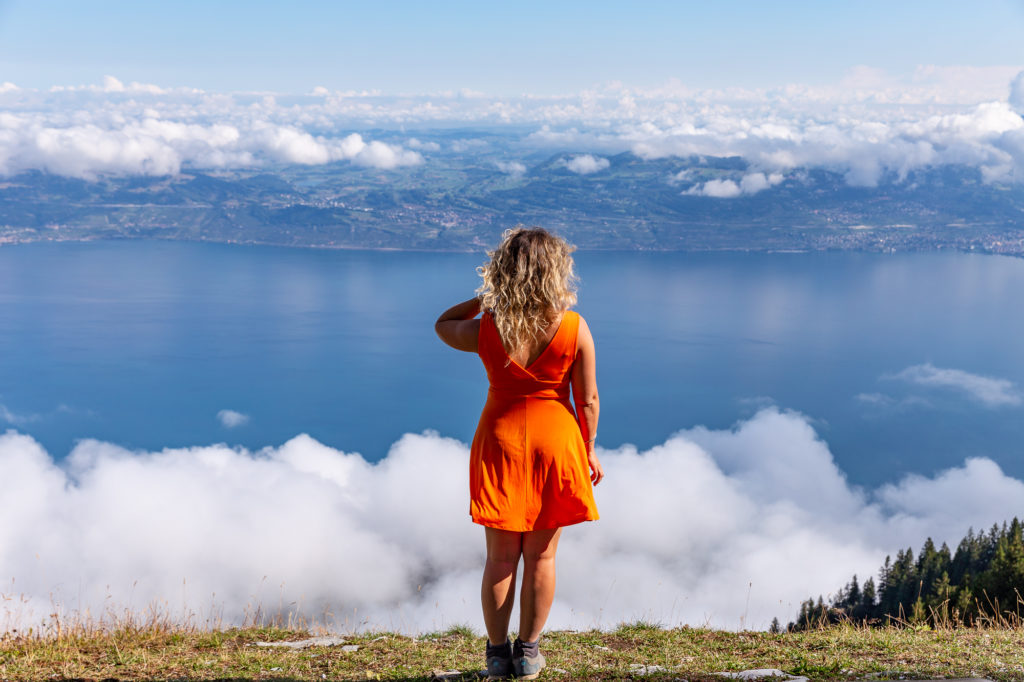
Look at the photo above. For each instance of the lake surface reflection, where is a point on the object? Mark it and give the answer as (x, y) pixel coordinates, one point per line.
(906, 362)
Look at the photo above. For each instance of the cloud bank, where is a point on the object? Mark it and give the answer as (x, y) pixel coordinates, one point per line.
(870, 126)
(123, 138)
(722, 527)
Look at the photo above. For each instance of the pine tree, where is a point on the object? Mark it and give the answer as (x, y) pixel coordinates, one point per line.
(918, 614)
(909, 587)
(963, 559)
(941, 603)
(965, 607)
(852, 594)
(1003, 580)
(866, 607)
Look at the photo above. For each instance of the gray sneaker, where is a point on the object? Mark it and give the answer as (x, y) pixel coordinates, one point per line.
(499, 661)
(528, 667)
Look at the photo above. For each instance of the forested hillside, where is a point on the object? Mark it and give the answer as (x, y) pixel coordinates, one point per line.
(982, 580)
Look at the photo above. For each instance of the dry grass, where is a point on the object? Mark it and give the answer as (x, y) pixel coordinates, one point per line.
(157, 649)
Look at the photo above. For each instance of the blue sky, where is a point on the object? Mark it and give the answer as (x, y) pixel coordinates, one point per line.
(496, 48)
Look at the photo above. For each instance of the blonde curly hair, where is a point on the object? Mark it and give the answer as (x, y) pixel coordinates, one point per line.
(528, 279)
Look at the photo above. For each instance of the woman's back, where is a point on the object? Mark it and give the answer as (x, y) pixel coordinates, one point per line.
(528, 353)
(547, 372)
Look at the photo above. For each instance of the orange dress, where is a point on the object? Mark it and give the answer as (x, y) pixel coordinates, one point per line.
(528, 462)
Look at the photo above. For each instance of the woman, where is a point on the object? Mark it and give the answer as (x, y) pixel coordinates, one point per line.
(532, 462)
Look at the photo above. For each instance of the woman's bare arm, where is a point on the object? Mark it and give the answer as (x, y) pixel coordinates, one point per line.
(584, 395)
(457, 328)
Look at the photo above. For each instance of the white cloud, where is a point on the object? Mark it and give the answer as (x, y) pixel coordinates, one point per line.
(759, 509)
(989, 391)
(724, 188)
(15, 418)
(8, 86)
(876, 399)
(1016, 98)
(721, 188)
(881, 400)
(379, 155)
(871, 125)
(471, 145)
(584, 164)
(289, 145)
(752, 183)
(414, 143)
(514, 168)
(111, 84)
(230, 418)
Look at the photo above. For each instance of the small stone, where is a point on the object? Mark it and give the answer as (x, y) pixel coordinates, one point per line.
(758, 673)
(600, 648)
(350, 647)
(641, 669)
(439, 675)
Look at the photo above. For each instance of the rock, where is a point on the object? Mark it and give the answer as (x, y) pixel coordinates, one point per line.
(641, 669)
(758, 673)
(306, 643)
(350, 647)
(440, 675)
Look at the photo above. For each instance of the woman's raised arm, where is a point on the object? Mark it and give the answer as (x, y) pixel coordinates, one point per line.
(457, 328)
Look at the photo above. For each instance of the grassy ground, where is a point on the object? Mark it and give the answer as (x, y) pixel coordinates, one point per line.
(841, 652)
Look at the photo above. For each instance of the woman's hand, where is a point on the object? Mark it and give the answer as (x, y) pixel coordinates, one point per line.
(596, 470)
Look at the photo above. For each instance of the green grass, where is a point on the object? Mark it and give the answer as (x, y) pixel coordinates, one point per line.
(842, 652)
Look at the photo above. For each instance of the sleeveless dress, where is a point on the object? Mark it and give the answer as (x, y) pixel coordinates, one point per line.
(528, 462)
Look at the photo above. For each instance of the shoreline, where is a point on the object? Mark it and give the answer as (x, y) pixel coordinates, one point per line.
(941, 248)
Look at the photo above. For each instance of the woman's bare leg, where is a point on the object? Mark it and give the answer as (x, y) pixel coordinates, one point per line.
(539, 548)
(498, 591)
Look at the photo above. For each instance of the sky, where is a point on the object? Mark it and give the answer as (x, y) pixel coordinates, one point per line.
(405, 46)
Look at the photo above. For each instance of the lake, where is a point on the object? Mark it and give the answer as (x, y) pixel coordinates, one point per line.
(903, 362)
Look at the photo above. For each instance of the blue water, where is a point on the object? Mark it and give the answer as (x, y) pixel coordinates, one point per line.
(143, 343)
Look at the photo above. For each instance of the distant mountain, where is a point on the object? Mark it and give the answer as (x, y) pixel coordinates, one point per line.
(462, 202)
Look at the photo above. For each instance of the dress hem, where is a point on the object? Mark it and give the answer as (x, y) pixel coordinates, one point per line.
(500, 526)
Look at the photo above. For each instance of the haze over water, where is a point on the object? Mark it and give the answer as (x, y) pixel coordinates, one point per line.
(143, 344)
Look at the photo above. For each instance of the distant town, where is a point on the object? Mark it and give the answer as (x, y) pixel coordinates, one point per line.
(462, 202)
